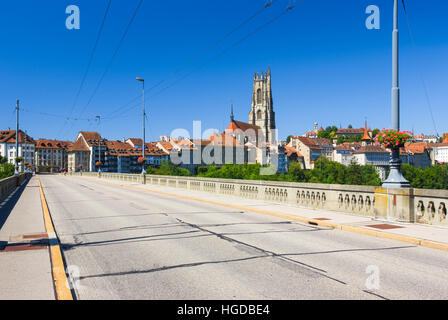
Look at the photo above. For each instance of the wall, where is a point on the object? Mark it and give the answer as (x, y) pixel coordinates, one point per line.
(7, 185)
(403, 205)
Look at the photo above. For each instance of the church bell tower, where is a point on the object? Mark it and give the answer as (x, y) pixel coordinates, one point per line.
(262, 112)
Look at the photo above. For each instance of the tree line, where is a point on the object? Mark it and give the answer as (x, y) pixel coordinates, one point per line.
(325, 171)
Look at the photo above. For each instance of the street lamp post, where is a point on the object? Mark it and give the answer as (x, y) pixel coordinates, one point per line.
(395, 179)
(144, 114)
(16, 168)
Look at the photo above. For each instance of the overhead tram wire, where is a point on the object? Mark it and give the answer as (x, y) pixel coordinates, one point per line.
(419, 67)
(113, 56)
(123, 106)
(267, 4)
(288, 9)
(92, 54)
(55, 115)
(215, 43)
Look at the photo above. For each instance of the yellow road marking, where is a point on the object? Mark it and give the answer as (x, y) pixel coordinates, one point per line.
(354, 229)
(60, 279)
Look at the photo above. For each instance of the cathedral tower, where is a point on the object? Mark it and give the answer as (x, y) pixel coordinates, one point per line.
(262, 112)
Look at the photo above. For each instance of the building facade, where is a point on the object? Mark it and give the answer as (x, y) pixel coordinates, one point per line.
(51, 155)
(26, 148)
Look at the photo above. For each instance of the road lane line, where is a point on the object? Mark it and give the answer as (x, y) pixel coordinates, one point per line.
(349, 228)
(60, 278)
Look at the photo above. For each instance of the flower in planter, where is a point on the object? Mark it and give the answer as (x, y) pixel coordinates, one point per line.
(98, 163)
(19, 159)
(390, 138)
(141, 160)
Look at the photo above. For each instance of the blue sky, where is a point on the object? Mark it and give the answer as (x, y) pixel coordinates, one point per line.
(326, 66)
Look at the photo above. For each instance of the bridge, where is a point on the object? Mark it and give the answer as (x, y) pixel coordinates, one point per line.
(122, 236)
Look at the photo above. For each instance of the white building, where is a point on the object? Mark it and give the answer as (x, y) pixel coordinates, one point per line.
(440, 151)
(373, 155)
(8, 147)
(343, 153)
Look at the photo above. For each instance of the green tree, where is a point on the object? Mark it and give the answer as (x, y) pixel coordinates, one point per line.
(328, 133)
(288, 139)
(296, 173)
(375, 132)
(6, 170)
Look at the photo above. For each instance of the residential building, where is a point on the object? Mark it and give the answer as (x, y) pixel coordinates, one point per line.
(431, 138)
(292, 155)
(418, 154)
(327, 147)
(154, 155)
(373, 155)
(343, 153)
(51, 155)
(440, 153)
(78, 154)
(97, 147)
(117, 157)
(307, 147)
(26, 147)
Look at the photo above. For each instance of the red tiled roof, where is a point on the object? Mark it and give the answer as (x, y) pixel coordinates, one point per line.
(350, 131)
(9, 136)
(136, 141)
(152, 150)
(224, 139)
(79, 145)
(201, 142)
(243, 126)
(348, 146)
(371, 149)
(93, 138)
(310, 143)
(184, 144)
(52, 144)
(167, 145)
(90, 135)
(291, 150)
(417, 147)
(310, 133)
(443, 144)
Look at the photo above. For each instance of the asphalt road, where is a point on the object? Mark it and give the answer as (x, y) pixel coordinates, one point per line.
(121, 243)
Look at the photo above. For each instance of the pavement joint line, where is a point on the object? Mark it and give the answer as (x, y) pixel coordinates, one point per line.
(354, 229)
(62, 289)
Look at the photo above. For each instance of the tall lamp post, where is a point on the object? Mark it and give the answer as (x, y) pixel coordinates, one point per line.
(16, 168)
(395, 179)
(144, 114)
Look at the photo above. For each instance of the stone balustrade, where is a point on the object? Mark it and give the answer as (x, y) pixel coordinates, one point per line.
(406, 205)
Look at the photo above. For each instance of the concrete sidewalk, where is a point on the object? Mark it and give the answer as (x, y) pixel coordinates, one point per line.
(427, 233)
(24, 253)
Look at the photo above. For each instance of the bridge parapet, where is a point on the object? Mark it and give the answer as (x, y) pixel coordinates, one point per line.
(9, 184)
(406, 205)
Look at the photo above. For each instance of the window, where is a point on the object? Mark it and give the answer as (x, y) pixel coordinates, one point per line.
(259, 115)
(259, 96)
